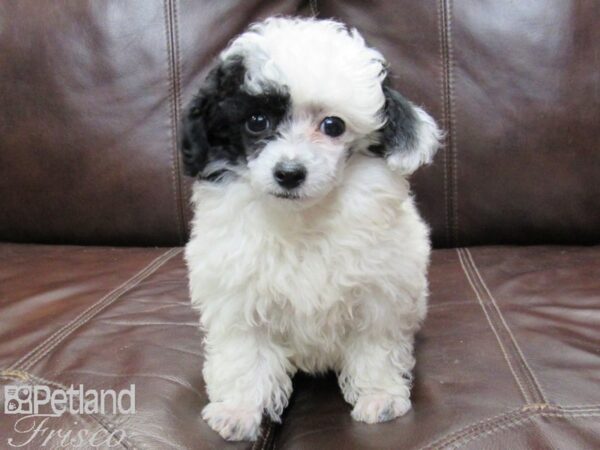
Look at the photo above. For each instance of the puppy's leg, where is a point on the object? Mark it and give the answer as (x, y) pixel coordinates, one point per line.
(245, 375)
(376, 376)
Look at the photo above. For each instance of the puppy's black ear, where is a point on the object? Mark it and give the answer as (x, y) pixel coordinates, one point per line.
(205, 129)
(410, 136)
(194, 143)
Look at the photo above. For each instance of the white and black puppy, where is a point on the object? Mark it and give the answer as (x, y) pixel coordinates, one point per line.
(307, 252)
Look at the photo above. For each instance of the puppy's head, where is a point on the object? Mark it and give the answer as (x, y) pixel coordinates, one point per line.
(288, 103)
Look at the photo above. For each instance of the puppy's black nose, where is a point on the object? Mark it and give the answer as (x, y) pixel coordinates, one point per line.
(289, 174)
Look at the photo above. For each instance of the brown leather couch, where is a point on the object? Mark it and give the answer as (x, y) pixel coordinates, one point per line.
(94, 213)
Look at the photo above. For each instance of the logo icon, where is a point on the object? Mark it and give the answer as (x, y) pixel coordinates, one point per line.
(18, 399)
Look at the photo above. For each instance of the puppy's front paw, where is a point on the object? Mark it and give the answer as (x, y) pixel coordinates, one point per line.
(233, 422)
(376, 408)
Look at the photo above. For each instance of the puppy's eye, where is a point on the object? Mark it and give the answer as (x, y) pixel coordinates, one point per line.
(257, 124)
(333, 126)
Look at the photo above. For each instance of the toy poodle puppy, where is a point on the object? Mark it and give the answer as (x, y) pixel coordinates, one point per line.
(307, 252)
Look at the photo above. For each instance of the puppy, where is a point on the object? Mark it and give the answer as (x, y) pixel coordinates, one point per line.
(306, 252)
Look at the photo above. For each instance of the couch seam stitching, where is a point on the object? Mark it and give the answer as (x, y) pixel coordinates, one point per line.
(443, 80)
(468, 430)
(525, 378)
(452, 117)
(182, 209)
(445, 8)
(443, 440)
(267, 435)
(528, 378)
(23, 358)
(262, 441)
(480, 428)
(173, 115)
(534, 381)
(443, 97)
(58, 336)
(101, 420)
(490, 323)
(507, 424)
(575, 407)
(149, 270)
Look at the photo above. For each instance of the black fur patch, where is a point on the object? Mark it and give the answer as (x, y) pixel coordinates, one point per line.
(213, 125)
(400, 131)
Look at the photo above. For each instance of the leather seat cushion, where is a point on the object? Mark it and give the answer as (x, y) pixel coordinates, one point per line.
(509, 355)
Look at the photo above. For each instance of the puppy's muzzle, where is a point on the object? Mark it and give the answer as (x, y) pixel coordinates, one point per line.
(289, 175)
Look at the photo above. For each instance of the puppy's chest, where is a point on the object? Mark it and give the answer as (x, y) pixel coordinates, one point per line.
(306, 276)
(313, 341)
(307, 271)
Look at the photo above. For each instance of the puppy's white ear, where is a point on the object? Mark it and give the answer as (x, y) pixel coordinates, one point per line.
(410, 136)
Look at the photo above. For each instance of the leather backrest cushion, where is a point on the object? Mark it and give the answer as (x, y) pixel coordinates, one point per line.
(91, 94)
(516, 86)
